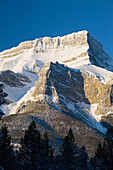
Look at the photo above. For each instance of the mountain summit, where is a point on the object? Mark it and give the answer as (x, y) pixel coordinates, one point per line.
(81, 48)
(70, 74)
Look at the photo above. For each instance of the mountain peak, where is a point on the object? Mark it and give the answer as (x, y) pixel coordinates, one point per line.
(73, 50)
(72, 69)
(74, 39)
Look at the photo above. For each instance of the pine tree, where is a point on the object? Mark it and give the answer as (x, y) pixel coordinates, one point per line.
(47, 153)
(108, 152)
(2, 100)
(71, 136)
(97, 159)
(29, 155)
(68, 151)
(103, 158)
(97, 162)
(7, 158)
(82, 158)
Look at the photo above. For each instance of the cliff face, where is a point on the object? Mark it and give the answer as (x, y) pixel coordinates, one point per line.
(76, 46)
(43, 44)
(12, 79)
(60, 83)
(96, 92)
(66, 87)
(70, 91)
(82, 38)
(80, 83)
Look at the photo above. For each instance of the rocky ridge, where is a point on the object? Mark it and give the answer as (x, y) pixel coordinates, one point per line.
(80, 84)
(72, 91)
(13, 79)
(73, 47)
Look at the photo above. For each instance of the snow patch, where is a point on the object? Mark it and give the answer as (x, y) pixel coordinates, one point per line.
(91, 108)
(11, 108)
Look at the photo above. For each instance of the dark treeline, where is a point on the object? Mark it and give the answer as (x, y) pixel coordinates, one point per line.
(36, 153)
(2, 98)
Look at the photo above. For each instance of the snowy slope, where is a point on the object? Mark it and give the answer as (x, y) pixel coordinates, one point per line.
(78, 51)
(100, 73)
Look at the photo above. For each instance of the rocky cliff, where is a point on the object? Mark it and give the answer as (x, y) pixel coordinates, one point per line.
(76, 46)
(59, 82)
(80, 83)
(71, 91)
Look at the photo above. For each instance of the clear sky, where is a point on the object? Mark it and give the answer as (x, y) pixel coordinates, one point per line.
(22, 20)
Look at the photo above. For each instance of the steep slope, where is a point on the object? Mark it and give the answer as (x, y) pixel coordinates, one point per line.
(59, 82)
(66, 90)
(81, 48)
(77, 50)
(57, 102)
(83, 86)
(56, 123)
(13, 79)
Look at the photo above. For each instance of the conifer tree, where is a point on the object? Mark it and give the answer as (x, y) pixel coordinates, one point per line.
(71, 136)
(68, 151)
(82, 158)
(7, 158)
(29, 155)
(103, 158)
(108, 152)
(2, 100)
(97, 160)
(47, 153)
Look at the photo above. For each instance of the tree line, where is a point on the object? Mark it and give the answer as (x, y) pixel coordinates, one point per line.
(35, 153)
(2, 99)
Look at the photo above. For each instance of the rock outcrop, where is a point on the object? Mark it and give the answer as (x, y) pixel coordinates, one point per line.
(66, 86)
(53, 49)
(82, 77)
(61, 84)
(13, 79)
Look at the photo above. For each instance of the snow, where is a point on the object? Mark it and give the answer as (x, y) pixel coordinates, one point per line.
(29, 61)
(18, 94)
(109, 113)
(93, 108)
(100, 73)
(33, 62)
(92, 117)
(71, 106)
(11, 108)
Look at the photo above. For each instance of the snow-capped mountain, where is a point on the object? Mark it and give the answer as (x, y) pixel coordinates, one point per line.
(72, 73)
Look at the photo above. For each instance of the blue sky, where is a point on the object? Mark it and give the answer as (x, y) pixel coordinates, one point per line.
(22, 20)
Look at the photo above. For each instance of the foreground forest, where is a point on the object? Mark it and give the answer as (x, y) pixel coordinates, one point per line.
(36, 153)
